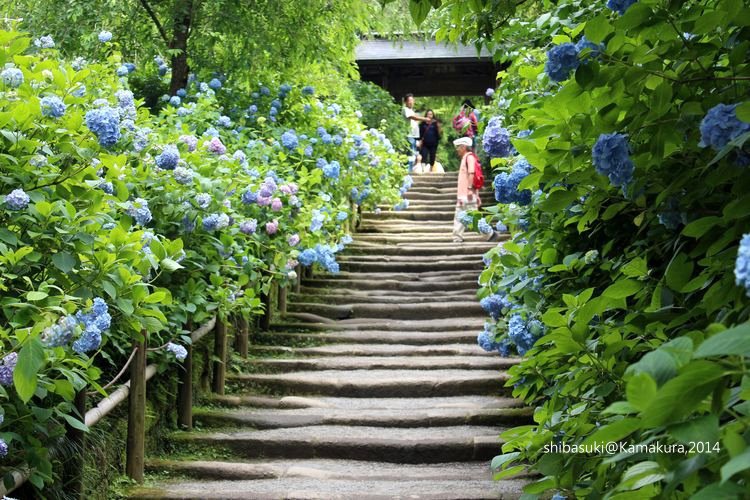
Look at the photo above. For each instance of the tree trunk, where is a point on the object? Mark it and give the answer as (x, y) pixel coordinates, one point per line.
(183, 17)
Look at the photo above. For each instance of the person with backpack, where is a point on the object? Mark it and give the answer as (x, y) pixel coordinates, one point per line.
(466, 123)
(470, 181)
(429, 136)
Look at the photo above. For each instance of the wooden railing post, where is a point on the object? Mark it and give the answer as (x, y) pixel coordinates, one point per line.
(298, 282)
(136, 441)
(267, 298)
(73, 466)
(243, 336)
(185, 389)
(220, 353)
(282, 298)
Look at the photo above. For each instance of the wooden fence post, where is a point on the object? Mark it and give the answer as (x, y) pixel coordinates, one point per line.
(220, 352)
(185, 389)
(73, 465)
(267, 298)
(243, 340)
(136, 441)
(282, 298)
(298, 282)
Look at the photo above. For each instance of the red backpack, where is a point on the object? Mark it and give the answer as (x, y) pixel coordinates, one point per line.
(478, 181)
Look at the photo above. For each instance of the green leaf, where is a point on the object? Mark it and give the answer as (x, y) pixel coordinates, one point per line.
(732, 342)
(597, 29)
(705, 428)
(701, 226)
(64, 261)
(737, 464)
(640, 475)
(557, 200)
(743, 111)
(622, 289)
(641, 390)
(30, 361)
(75, 423)
(679, 272)
(170, 265)
(501, 460)
(636, 268)
(36, 296)
(717, 491)
(682, 394)
(614, 432)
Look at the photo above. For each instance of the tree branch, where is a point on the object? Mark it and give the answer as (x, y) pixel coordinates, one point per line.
(152, 14)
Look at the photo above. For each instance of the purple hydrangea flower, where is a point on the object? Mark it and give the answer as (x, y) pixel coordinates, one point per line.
(7, 365)
(496, 139)
(249, 226)
(272, 227)
(17, 200)
(179, 351)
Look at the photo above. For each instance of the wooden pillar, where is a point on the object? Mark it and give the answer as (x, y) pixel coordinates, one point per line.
(136, 441)
(73, 465)
(298, 282)
(220, 355)
(268, 303)
(185, 388)
(243, 341)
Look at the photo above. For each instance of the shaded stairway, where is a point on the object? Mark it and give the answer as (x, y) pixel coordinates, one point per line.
(390, 398)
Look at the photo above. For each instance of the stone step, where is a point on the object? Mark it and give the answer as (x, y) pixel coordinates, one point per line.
(407, 250)
(412, 214)
(402, 418)
(396, 238)
(426, 310)
(387, 297)
(415, 362)
(389, 284)
(295, 488)
(396, 226)
(446, 195)
(303, 402)
(383, 444)
(380, 383)
(405, 326)
(376, 350)
(419, 338)
(433, 276)
(415, 266)
(470, 258)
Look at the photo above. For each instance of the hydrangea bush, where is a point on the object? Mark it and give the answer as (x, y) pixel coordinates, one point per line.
(625, 282)
(116, 222)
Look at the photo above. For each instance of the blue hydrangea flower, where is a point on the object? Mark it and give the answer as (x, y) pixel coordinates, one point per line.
(12, 77)
(484, 226)
(742, 264)
(611, 157)
(138, 210)
(318, 218)
(45, 42)
(276, 104)
(52, 106)
(465, 218)
(107, 187)
(215, 222)
(620, 6)
(90, 340)
(3, 448)
(7, 365)
(104, 122)
(175, 101)
(183, 175)
(179, 352)
(496, 139)
(168, 158)
(17, 200)
(307, 257)
(105, 36)
(523, 334)
(561, 60)
(332, 170)
(289, 139)
(486, 338)
(224, 121)
(129, 66)
(595, 50)
(215, 84)
(496, 305)
(506, 184)
(489, 92)
(122, 70)
(203, 200)
(501, 228)
(721, 125)
(249, 226)
(181, 93)
(308, 90)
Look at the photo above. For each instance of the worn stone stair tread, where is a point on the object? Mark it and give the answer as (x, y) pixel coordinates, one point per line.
(393, 310)
(405, 418)
(428, 325)
(323, 469)
(388, 444)
(405, 285)
(312, 489)
(359, 298)
(428, 276)
(381, 382)
(385, 403)
(447, 257)
(384, 362)
(371, 336)
(340, 349)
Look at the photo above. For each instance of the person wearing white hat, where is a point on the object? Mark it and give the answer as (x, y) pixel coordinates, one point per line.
(466, 196)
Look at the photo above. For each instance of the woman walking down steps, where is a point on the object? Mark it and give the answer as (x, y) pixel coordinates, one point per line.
(395, 400)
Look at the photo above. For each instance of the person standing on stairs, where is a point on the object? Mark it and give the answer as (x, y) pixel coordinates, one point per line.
(429, 136)
(466, 196)
(413, 119)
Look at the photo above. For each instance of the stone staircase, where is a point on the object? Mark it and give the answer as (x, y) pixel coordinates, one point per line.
(371, 387)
